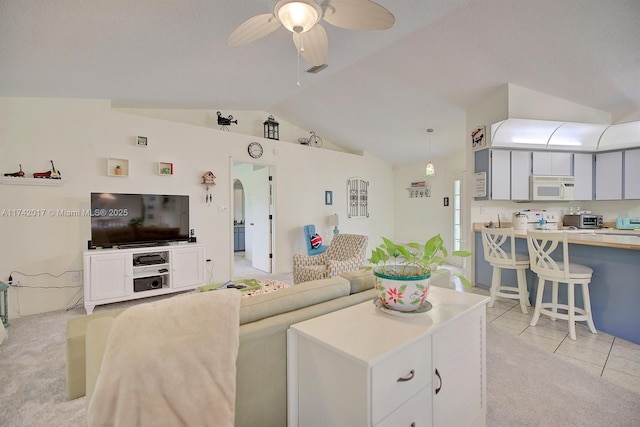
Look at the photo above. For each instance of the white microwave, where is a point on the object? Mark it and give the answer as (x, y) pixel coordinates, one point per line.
(551, 187)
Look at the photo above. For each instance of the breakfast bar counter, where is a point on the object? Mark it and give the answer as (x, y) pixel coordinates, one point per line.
(614, 256)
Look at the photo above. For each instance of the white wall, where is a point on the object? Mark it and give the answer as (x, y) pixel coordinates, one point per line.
(79, 135)
(249, 122)
(418, 219)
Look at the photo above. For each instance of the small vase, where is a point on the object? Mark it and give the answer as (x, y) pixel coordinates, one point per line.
(118, 171)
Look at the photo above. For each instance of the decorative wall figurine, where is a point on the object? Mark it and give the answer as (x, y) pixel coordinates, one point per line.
(225, 122)
(20, 173)
(52, 174)
(271, 128)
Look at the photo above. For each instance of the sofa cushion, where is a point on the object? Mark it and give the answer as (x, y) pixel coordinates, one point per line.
(290, 299)
(360, 280)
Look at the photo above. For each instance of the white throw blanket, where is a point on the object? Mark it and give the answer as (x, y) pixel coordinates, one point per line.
(3, 332)
(171, 363)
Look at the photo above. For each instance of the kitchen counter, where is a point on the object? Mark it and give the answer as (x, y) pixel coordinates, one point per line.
(606, 237)
(614, 256)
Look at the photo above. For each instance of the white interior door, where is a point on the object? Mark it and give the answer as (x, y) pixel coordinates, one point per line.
(261, 202)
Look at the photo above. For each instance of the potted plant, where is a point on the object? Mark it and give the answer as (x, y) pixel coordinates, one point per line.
(403, 271)
(118, 170)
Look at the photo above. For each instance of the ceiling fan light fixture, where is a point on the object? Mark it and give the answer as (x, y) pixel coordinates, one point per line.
(298, 16)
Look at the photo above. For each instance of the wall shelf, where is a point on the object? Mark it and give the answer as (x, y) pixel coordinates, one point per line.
(49, 182)
(165, 168)
(111, 167)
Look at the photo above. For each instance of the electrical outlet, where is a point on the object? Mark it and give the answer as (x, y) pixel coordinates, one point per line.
(16, 283)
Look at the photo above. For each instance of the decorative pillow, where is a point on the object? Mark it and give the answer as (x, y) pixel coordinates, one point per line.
(316, 241)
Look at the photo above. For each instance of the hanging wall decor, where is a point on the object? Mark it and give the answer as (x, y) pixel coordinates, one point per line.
(358, 202)
(142, 141)
(478, 138)
(208, 179)
(419, 189)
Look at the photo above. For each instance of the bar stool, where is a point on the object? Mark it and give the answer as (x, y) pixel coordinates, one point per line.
(495, 253)
(541, 244)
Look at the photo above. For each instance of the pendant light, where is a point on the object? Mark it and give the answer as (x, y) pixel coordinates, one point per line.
(429, 169)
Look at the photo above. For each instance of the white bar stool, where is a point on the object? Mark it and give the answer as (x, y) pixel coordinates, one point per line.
(541, 244)
(494, 242)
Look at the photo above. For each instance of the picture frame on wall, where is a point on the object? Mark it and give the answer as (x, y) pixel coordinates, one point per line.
(142, 141)
(328, 197)
(478, 138)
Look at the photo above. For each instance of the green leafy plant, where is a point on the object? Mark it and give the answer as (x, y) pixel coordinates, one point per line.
(413, 259)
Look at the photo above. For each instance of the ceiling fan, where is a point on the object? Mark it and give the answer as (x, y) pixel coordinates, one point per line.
(302, 17)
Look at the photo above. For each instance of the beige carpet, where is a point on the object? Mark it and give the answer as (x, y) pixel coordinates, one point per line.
(526, 386)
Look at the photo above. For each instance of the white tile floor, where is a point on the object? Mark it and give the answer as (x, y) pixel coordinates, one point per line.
(605, 355)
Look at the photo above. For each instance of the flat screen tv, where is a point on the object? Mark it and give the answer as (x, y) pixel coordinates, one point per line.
(138, 219)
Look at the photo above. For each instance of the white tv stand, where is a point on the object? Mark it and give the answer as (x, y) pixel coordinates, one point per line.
(111, 275)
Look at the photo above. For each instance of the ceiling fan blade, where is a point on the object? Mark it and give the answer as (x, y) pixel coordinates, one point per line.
(253, 29)
(313, 45)
(357, 15)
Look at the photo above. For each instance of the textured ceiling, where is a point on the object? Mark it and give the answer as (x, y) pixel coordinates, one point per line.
(382, 89)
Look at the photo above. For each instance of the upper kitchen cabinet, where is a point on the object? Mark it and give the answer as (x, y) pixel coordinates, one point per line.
(609, 176)
(520, 172)
(507, 173)
(583, 174)
(632, 174)
(500, 183)
(548, 163)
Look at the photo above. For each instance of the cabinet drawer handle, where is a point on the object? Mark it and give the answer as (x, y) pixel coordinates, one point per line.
(409, 377)
(439, 382)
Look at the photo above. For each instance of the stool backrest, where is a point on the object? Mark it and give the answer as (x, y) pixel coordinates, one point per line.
(541, 245)
(494, 243)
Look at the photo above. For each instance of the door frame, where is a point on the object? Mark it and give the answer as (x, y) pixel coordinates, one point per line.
(272, 209)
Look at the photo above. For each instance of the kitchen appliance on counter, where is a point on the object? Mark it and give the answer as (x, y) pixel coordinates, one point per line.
(520, 221)
(583, 221)
(535, 219)
(628, 223)
(551, 187)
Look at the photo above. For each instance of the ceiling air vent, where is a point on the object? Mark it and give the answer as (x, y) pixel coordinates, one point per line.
(316, 69)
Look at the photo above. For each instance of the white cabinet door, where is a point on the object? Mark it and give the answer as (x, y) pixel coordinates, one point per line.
(632, 174)
(500, 175)
(609, 176)
(111, 276)
(459, 372)
(520, 171)
(549, 163)
(187, 267)
(583, 174)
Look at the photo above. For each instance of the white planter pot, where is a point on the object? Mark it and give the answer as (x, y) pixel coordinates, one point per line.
(402, 293)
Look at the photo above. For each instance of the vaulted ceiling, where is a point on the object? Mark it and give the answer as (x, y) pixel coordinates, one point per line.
(381, 90)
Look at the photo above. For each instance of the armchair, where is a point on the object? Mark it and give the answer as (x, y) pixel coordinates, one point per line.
(309, 231)
(345, 253)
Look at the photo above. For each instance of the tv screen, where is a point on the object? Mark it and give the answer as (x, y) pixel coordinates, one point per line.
(128, 219)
